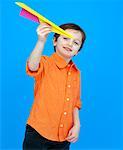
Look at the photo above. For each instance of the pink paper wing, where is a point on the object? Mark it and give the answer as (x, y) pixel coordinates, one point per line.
(28, 15)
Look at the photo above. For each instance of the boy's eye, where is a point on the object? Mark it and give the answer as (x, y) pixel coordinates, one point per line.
(76, 43)
(65, 38)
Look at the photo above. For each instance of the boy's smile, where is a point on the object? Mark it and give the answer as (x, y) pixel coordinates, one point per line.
(66, 47)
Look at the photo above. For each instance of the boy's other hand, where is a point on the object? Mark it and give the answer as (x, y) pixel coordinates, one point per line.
(73, 134)
(42, 31)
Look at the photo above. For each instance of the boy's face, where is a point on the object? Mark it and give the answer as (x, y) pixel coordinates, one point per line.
(67, 47)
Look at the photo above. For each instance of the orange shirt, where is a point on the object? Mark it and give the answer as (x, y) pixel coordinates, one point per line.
(56, 93)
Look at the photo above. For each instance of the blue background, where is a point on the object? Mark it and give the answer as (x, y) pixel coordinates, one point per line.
(100, 61)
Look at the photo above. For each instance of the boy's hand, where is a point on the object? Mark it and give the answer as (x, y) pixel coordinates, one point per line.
(73, 134)
(42, 31)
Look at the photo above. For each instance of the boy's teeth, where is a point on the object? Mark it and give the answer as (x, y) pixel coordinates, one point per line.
(68, 49)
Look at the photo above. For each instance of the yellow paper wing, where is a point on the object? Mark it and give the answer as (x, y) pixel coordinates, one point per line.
(41, 18)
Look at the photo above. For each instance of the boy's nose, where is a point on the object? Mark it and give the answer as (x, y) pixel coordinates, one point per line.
(70, 43)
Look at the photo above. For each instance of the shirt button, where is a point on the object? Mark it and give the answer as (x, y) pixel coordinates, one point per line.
(69, 73)
(69, 86)
(65, 113)
(61, 125)
(68, 99)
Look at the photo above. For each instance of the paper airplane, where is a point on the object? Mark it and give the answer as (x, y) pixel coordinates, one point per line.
(31, 14)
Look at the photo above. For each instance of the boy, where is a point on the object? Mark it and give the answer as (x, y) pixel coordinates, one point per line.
(54, 119)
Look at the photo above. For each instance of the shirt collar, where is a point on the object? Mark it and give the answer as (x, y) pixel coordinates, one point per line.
(61, 63)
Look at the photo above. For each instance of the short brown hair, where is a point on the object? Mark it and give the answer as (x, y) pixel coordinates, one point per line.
(71, 26)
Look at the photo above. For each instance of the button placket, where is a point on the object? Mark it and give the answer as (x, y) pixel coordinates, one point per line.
(69, 83)
(67, 100)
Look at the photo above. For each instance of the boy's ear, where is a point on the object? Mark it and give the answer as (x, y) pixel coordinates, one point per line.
(54, 41)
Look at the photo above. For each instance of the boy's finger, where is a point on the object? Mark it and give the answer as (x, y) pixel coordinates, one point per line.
(43, 27)
(42, 22)
(70, 137)
(44, 30)
(74, 140)
(44, 33)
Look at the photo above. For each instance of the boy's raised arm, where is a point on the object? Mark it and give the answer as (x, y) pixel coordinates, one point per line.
(34, 59)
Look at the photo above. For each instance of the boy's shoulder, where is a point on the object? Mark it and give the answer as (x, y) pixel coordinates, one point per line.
(46, 59)
(44, 56)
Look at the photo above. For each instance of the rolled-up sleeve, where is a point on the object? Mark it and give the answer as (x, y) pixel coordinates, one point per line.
(40, 68)
(78, 103)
